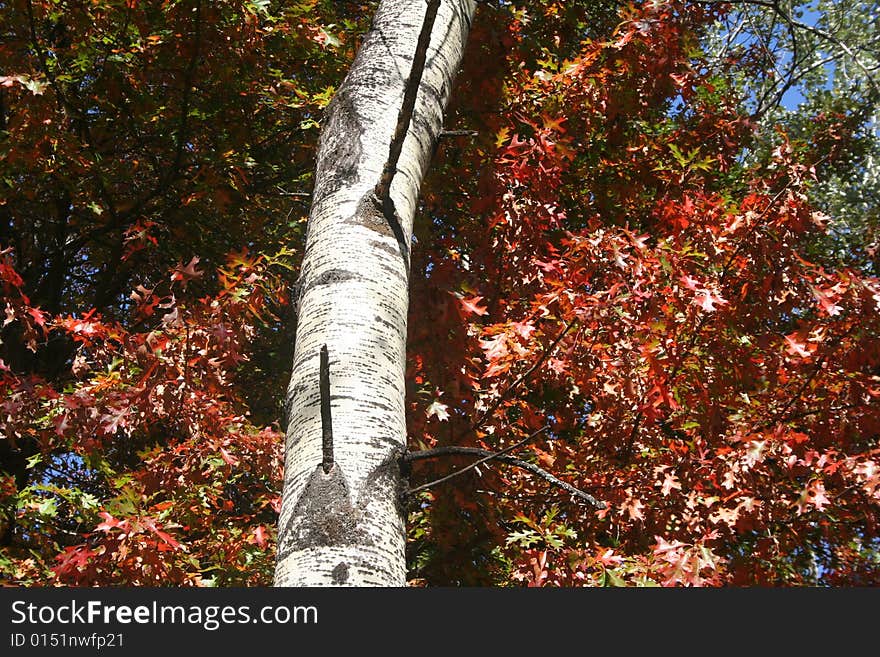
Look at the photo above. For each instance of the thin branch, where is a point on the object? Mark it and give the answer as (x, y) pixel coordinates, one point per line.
(626, 453)
(492, 455)
(404, 117)
(284, 192)
(774, 6)
(765, 43)
(326, 424)
(831, 410)
(730, 37)
(779, 416)
(670, 378)
(782, 415)
(789, 78)
(833, 39)
(793, 80)
(726, 269)
(447, 134)
(485, 456)
(120, 218)
(80, 119)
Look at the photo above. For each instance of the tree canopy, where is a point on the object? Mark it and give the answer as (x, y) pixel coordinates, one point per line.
(631, 268)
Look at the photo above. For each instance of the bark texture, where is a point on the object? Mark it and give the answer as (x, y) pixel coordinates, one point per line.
(345, 526)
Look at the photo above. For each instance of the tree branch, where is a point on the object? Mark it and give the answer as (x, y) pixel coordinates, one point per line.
(502, 456)
(404, 117)
(792, 22)
(326, 422)
(493, 455)
(80, 121)
(188, 78)
(447, 134)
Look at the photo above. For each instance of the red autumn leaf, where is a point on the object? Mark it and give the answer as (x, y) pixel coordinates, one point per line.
(708, 300)
(227, 457)
(260, 536)
(690, 283)
(110, 522)
(167, 541)
(670, 483)
(38, 316)
(470, 305)
(184, 274)
(798, 347)
(116, 419)
(73, 559)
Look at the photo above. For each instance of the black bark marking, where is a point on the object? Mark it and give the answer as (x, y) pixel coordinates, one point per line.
(323, 515)
(382, 246)
(326, 420)
(379, 442)
(340, 146)
(385, 322)
(340, 573)
(392, 271)
(384, 407)
(290, 396)
(328, 277)
(381, 216)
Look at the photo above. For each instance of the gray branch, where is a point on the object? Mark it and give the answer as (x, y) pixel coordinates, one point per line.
(502, 456)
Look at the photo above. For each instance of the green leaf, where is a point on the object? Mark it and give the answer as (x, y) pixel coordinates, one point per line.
(554, 541)
(524, 538)
(34, 86)
(89, 501)
(48, 507)
(613, 580)
(258, 6)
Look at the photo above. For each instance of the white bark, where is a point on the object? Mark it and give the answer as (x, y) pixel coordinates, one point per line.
(346, 527)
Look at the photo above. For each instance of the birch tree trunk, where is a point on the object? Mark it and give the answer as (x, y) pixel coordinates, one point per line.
(341, 522)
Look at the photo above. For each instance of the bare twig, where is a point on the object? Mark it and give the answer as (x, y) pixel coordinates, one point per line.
(326, 423)
(792, 22)
(284, 192)
(493, 455)
(502, 456)
(188, 79)
(404, 117)
(726, 268)
(793, 80)
(832, 39)
(448, 134)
